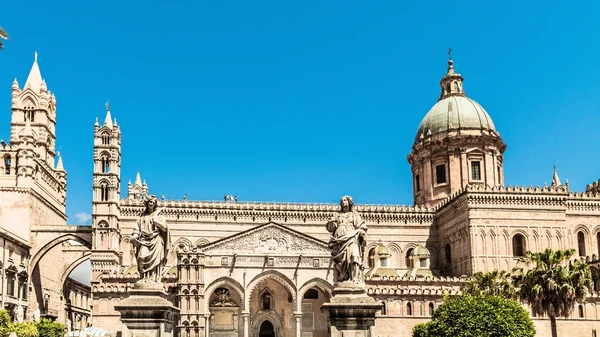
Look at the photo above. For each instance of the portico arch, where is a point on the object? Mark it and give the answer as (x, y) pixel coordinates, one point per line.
(270, 316)
(318, 283)
(280, 278)
(224, 282)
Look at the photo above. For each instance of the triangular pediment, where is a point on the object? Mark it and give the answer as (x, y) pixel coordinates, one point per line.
(270, 238)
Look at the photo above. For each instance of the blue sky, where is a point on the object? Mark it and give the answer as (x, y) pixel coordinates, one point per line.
(304, 101)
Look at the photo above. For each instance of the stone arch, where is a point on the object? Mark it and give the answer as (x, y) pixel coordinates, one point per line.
(368, 248)
(201, 242)
(316, 282)
(86, 256)
(272, 275)
(53, 243)
(220, 282)
(270, 316)
(407, 249)
(28, 96)
(183, 244)
(396, 253)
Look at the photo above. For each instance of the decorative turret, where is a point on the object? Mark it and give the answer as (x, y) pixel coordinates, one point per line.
(456, 145)
(139, 190)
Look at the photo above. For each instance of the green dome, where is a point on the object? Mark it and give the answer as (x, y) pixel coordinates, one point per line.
(382, 250)
(454, 112)
(420, 251)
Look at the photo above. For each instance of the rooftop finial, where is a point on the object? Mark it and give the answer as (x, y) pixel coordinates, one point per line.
(449, 54)
(35, 55)
(107, 104)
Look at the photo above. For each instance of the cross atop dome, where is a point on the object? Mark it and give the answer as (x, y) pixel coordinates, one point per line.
(451, 83)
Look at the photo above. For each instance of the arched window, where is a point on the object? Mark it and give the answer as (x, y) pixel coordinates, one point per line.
(29, 113)
(580, 310)
(598, 240)
(431, 309)
(518, 242)
(408, 309)
(408, 262)
(105, 139)
(371, 258)
(7, 164)
(448, 254)
(105, 164)
(103, 192)
(581, 243)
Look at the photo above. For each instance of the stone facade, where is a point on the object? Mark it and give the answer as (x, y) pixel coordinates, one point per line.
(79, 305)
(250, 269)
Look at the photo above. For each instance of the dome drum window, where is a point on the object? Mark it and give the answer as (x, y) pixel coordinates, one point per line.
(441, 177)
(475, 166)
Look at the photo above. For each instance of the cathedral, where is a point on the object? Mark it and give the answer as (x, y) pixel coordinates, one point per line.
(264, 269)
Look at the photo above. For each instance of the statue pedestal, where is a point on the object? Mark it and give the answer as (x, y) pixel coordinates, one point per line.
(147, 312)
(351, 312)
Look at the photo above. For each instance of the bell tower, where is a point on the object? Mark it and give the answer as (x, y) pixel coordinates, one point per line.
(105, 201)
(37, 105)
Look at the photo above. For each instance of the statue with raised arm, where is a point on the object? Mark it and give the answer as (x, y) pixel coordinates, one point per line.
(348, 239)
(151, 240)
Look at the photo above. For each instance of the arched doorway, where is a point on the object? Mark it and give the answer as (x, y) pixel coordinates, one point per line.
(266, 329)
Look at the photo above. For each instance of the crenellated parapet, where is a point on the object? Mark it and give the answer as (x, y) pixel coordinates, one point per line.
(282, 212)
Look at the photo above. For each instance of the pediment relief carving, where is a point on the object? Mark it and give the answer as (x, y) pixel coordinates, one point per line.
(270, 238)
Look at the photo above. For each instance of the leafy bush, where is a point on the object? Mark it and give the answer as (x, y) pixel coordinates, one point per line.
(477, 316)
(26, 329)
(5, 324)
(48, 328)
(420, 330)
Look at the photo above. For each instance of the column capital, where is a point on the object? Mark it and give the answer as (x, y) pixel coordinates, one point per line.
(245, 314)
(297, 314)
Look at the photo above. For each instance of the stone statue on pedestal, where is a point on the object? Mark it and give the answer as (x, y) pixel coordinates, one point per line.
(348, 240)
(151, 240)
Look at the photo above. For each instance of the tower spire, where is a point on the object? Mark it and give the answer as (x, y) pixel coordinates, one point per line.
(555, 179)
(34, 80)
(108, 119)
(138, 179)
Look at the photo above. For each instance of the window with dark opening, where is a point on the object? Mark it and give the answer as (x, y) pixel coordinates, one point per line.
(448, 254)
(440, 174)
(518, 245)
(7, 165)
(476, 170)
(408, 309)
(311, 294)
(417, 184)
(581, 243)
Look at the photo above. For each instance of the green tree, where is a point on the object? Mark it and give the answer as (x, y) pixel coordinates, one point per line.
(496, 283)
(477, 316)
(48, 328)
(553, 285)
(3, 36)
(25, 329)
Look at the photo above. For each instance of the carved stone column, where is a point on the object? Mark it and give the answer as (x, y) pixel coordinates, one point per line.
(207, 325)
(298, 317)
(245, 315)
